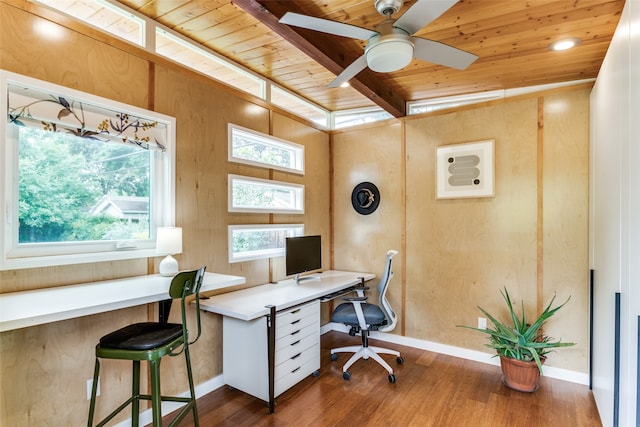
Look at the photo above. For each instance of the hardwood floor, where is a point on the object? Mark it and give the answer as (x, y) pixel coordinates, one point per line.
(431, 390)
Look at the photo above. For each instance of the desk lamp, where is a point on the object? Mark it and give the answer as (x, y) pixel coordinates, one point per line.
(169, 242)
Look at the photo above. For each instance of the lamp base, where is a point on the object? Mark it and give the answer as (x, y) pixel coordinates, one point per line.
(168, 266)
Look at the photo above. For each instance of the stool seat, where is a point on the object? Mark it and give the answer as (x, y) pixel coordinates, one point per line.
(142, 336)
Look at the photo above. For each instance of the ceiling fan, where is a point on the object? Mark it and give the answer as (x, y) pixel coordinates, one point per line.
(391, 45)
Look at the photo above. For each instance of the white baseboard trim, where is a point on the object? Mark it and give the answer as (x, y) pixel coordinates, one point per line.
(464, 353)
(206, 387)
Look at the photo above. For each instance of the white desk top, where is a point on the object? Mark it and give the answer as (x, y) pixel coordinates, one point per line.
(250, 303)
(30, 308)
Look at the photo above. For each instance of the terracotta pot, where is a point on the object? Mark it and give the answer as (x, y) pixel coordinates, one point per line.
(520, 375)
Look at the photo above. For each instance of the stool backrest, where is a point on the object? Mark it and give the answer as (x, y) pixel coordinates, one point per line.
(183, 285)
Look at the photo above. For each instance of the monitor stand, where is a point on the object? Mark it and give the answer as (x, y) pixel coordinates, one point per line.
(299, 279)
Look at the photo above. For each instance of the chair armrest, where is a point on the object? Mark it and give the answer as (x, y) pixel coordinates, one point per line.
(360, 289)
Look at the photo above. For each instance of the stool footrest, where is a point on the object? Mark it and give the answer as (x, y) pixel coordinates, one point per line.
(184, 410)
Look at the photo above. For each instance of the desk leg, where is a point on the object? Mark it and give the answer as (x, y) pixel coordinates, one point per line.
(164, 307)
(271, 354)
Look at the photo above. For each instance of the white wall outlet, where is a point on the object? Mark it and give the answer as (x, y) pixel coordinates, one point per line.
(90, 385)
(482, 323)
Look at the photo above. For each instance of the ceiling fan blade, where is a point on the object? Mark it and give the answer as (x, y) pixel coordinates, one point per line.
(422, 13)
(326, 26)
(442, 54)
(354, 68)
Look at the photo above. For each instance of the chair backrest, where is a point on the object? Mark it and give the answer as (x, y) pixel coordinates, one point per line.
(383, 285)
(183, 285)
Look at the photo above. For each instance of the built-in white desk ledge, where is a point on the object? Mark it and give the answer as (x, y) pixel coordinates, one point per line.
(36, 307)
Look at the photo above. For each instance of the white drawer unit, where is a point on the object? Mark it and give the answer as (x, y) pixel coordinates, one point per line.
(297, 350)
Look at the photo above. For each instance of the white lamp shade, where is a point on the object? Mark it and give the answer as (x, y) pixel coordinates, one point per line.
(389, 55)
(169, 240)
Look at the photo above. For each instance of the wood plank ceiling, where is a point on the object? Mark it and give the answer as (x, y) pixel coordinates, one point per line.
(511, 38)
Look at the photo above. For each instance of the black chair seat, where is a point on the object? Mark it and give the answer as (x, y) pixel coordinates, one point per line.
(346, 313)
(142, 336)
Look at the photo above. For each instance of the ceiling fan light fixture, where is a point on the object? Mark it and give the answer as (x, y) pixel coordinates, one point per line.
(389, 54)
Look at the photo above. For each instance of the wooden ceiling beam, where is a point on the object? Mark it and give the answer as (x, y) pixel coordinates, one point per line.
(321, 48)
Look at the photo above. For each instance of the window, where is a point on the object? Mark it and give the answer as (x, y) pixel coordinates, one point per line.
(85, 179)
(111, 18)
(434, 104)
(185, 52)
(346, 118)
(298, 106)
(254, 148)
(262, 195)
(250, 242)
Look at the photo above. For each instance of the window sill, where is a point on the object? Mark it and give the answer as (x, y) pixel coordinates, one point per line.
(57, 260)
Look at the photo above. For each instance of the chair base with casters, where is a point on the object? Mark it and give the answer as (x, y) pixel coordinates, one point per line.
(365, 351)
(363, 318)
(151, 341)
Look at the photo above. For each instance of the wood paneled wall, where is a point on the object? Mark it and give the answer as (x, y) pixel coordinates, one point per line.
(456, 254)
(361, 241)
(44, 369)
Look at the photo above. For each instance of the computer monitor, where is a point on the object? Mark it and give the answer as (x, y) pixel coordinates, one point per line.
(303, 254)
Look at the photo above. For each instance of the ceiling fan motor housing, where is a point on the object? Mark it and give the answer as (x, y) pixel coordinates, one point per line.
(388, 7)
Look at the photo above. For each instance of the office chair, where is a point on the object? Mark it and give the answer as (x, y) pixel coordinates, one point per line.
(363, 317)
(151, 341)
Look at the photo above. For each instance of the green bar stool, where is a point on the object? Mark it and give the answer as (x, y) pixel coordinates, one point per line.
(151, 341)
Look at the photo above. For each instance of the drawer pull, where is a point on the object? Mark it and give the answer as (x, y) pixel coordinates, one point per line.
(295, 311)
(296, 356)
(294, 322)
(294, 343)
(295, 369)
(293, 333)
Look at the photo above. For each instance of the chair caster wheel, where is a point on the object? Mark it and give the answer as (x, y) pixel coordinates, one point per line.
(315, 374)
(346, 375)
(334, 357)
(392, 378)
(400, 360)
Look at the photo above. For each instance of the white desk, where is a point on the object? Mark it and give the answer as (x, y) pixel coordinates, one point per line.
(30, 308)
(271, 333)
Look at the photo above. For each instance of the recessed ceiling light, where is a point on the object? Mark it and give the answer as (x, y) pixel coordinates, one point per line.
(564, 44)
(345, 84)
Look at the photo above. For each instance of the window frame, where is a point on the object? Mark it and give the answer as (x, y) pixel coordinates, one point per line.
(297, 230)
(297, 150)
(162, 197)
(297, 188)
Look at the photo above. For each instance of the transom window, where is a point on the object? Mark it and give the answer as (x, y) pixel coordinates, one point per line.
(248, 194)
(85, 179)
(254, 148)
(250, 242)
(105, 15)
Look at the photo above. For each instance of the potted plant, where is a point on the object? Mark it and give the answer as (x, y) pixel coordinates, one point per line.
(521, 345)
